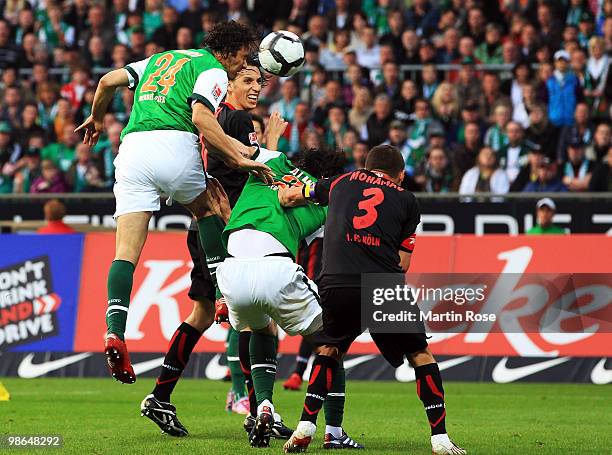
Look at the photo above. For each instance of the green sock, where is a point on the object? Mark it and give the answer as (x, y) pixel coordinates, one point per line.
(334, 402)
(233, 361)
(119, 284)
(210, 229)
(263, 365)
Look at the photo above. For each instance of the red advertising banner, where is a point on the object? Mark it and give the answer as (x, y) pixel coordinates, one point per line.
(160, 301)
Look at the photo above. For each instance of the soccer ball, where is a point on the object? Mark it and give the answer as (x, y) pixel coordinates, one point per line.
(281, 53)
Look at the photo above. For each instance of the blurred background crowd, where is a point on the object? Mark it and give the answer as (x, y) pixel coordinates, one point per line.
(479, 96)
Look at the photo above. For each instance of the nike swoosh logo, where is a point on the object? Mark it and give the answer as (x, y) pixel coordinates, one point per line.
(350, 363)
(29, 370)
(600, 374)
(405, 373)
(147, 365)
(214, 370)
(502, 374)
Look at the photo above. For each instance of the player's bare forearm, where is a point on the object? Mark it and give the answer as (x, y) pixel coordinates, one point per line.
(231, 150)
(106, 90)
(405, 260)
(291, 197)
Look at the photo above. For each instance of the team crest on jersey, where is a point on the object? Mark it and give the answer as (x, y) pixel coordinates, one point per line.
(253, 138)
(216, 92)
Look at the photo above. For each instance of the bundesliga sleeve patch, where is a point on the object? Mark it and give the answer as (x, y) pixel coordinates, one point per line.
(216, 92)
(408, 244)
(253, 138)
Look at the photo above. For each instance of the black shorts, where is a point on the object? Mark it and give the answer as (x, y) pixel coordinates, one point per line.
(342, 324)
(202, 286)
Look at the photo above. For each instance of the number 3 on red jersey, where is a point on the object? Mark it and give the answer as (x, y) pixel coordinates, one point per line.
(375, 197)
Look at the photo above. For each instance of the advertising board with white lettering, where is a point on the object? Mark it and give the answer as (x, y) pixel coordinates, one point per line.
(39, 281)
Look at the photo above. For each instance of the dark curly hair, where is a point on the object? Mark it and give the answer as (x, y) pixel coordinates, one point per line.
(227, 38)
(321, 163)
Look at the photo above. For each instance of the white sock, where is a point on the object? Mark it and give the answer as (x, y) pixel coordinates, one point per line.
(336, 432)
(440, 438)
(265, 403)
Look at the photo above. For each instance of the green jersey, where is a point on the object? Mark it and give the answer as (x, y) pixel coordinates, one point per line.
(258, 206)
(166, 84)
(552, 229)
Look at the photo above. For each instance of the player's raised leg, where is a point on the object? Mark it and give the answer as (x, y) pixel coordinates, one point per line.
(431, 393)
(132, 231)
(156, 406)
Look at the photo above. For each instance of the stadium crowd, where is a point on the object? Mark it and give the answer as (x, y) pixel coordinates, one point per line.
(535, 118)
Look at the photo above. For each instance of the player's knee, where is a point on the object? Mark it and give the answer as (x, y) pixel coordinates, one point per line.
(421, 357)
(330, 351)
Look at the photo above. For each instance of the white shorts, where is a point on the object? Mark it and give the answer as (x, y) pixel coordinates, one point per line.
(150, 163)
(260, 289)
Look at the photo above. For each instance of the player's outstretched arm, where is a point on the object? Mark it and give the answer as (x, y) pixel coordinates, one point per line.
(233, 152)
(105, 91)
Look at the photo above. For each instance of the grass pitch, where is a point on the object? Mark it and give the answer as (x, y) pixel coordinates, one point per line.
(100, 416)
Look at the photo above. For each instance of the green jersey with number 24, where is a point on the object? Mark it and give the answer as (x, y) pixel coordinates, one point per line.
(165, 86)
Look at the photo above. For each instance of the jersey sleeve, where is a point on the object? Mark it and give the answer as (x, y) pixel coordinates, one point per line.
(240, 126)
(210, 88)
(135, 71)
(408, 236)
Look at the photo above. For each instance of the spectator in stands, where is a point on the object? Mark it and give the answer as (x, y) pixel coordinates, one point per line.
(430, 81)
(545, 212)
(358, 157)
(548, 27)
(361, 110)
(55, 211)
(521, 112)
(601, 179)
(410, 48)
(563, 92)
(331, 56)
(418, 132)
(62, 153)
(391, 81)
(286, 105)
(528, 172)
(445, 104)
(335, 127)
(317, 33)
(11, 106)
(449, 52)
(313, 90)
(522, 74)
(601, 142)
(393, 37)
(468, 87)
(10, 153)
(581, 128)
(75, 89)
(541, 131)
(422, 17)
(548, 180)
(492, 96)
(576, 170)
(332, 97)
(403, 104)
(152, 17)
(85, 174)
(54, 31)
(165, 35)
(465, 154)
(377, 125)
(495, 136)
(369, 55)
(398, 138)
(28, 170)
(435, 175)
(97, 25)
(490, 51)
(485, 177)
(97, 55)
(513, 155)
(290, 142)
(598, 70)
(51, 179)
